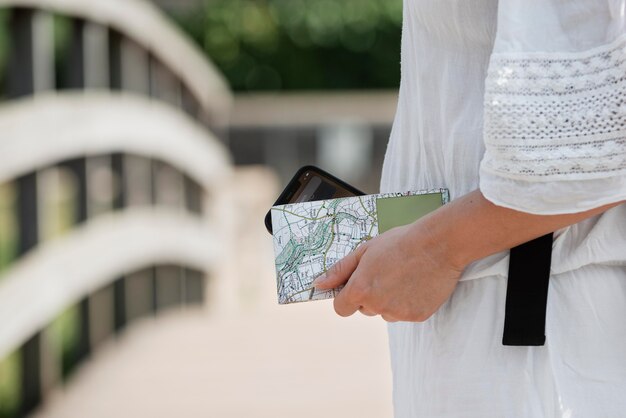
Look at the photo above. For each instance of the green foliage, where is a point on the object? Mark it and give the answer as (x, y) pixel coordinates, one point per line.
(10, 385)
(64, 334)
(300, 44)
(8, 225)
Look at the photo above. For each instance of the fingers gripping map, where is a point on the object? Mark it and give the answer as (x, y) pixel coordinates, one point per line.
(310, 237)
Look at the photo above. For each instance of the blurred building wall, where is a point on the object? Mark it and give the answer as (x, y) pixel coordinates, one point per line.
(345, 133)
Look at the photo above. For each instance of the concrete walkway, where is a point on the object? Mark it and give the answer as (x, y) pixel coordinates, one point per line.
(253, 361)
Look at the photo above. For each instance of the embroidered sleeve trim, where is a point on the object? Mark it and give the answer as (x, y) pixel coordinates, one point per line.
(557, 116)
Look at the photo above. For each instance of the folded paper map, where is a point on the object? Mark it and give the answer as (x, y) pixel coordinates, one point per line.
(309, 237)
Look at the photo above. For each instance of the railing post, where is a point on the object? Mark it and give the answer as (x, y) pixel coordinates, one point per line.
(194, 287)
(193, 196)
(139, 294)
(163, 84)
(102, 315)
(78, 167)
(169, 287)
(135, 67)
(120, 201)
(96, 56)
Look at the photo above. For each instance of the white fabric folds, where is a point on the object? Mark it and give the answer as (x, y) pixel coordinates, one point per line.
(486, 87)
(555, 108)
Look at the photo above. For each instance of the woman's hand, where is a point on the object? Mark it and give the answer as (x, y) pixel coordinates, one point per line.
(404, 274)
(407, 273)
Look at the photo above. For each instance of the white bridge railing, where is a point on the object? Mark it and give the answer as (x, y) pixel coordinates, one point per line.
(111, 186)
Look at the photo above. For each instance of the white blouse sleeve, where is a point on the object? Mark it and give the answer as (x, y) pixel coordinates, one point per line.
(555, 106)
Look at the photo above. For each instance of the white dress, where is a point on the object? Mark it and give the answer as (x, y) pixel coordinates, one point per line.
(526, 100)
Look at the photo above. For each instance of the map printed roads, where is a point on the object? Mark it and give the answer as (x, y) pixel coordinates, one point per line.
(310, 237)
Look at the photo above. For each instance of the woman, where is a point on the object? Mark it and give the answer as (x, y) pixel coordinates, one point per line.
(519, 108)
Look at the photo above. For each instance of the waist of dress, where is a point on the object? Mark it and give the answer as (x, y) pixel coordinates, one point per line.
(601, 240)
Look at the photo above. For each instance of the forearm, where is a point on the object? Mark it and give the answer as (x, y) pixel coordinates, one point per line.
(471, 227)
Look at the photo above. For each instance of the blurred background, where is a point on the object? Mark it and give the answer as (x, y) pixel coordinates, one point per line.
(142, 143)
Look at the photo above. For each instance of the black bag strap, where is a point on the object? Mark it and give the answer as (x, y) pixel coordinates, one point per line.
(527, 292)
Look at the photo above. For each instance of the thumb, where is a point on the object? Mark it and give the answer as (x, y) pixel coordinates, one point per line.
(341, 271)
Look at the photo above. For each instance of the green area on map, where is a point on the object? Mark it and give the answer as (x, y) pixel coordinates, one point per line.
(403, 210)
